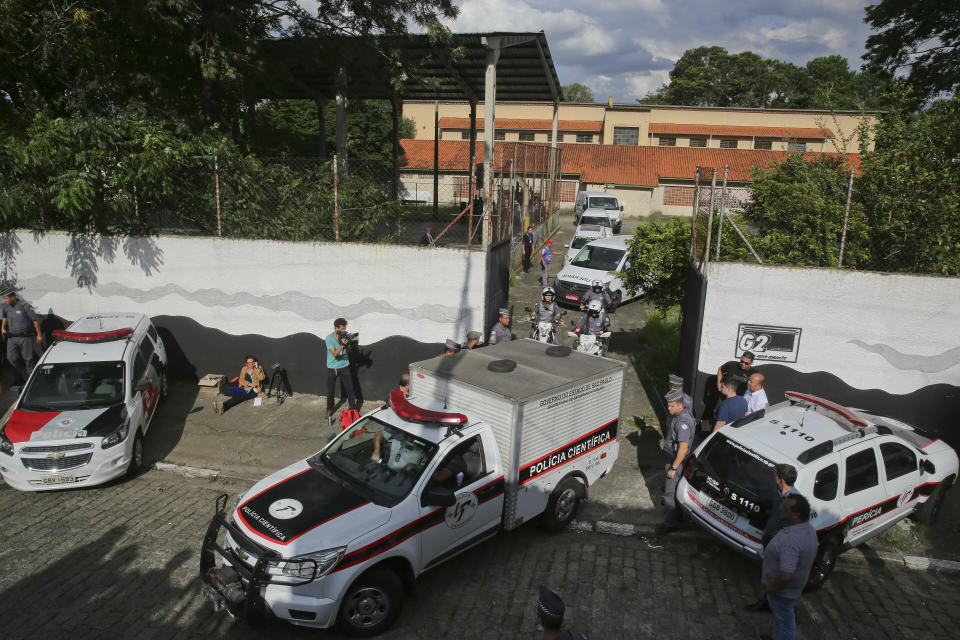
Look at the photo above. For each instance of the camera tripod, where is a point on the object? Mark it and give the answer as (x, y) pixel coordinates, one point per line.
(279, 384)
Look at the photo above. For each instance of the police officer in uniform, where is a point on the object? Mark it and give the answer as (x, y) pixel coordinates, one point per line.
(677, 442)
(20, 324)
(596, 293)
(676, 382)
(594, 322)
(550, 614)
(501, 330)
(545, 310)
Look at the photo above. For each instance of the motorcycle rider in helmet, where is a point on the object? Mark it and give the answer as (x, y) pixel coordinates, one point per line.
(546, 310)
(596, 293)
(594, 322)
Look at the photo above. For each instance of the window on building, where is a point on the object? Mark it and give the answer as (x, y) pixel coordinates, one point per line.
(550, 137)
(728, 144)
(766, 145)
(897, 460)
(464, 135)
(796, 146)
(499, 135)
(667, 142)
(526, 137)
(861, 472)
(628, 136)
(584, 137)
(698, 142)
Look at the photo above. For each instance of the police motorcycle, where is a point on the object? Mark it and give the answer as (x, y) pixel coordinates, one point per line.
(593, 344)
(545, 330)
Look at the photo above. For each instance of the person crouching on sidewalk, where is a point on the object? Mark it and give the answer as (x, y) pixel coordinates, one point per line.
(249, 385)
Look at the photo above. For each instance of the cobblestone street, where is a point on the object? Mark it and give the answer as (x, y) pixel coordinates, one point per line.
(122, 560)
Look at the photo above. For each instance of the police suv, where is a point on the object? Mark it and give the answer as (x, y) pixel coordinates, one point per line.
(598, 260)
(488, 439)
(862, 473)
(590, 228)
(86, 407)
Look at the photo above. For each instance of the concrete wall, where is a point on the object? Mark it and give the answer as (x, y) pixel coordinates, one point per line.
(221, 298)
(884, 342)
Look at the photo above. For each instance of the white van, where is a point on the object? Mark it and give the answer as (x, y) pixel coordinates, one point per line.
(598, 260)
(602, 201)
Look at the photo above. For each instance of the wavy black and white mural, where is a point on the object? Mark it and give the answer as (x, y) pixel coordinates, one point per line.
(887, 343)
(216, 299)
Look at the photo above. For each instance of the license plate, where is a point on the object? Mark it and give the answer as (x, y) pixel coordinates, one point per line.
(570, 296)
(58, 480)
(727, 514)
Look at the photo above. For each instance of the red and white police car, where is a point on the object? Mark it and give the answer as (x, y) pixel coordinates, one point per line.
(86, 407)
(862, 473)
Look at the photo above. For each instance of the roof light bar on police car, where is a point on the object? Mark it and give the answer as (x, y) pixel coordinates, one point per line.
(99, 336)
(844, 416)
(408, 411)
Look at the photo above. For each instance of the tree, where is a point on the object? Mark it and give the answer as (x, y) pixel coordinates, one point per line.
(923, 35)
(910, 189)
(577, 92)
(796, 213)
(657, 260)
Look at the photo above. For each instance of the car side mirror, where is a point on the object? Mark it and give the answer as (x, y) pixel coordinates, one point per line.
(926, 466)
(621, 207)
(439, 497)
(566, 246)
(144, 384)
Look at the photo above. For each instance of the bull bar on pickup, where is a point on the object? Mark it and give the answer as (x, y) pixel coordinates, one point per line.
(235, 585)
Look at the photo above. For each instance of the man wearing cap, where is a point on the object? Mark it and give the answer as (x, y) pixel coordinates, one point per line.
(450, 347)
(677, 441)
(550, 611)
(501, 330)
(676, 382)
(19, 325)
(473, 340)
(545, 256)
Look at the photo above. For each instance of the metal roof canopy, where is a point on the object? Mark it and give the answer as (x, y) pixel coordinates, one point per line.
(308, 67)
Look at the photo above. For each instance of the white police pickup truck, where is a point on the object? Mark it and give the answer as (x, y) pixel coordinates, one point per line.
(488, 439)
(862, 473)
(86, 408)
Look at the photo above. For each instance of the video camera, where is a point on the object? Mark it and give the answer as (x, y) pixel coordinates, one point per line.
(351, 337)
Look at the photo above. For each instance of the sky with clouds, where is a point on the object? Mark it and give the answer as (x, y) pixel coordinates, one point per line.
(625, 48)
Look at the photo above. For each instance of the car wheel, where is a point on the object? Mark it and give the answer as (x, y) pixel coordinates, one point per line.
(927, 512)
(562, 505)
(823, 564)
(136, 456)
(371, 604)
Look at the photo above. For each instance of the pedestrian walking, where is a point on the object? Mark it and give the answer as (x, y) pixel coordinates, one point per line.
(677, 441)
(19, 326)
(545, 255)
(526, 246)
(787, 561)
(550, 610)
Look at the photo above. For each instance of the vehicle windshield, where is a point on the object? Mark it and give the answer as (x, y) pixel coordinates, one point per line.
(600, 258)
(603, 203)
(739, 469)
(603, 221)
(378, 461)
(579, 241)
(74, 385)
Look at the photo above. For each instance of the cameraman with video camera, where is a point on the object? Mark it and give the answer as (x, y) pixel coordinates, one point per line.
(338, 364)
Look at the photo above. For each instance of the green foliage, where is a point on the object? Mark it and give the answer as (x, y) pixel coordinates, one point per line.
(710, 76)
(660, 335)
(797, 210)
(658, 258)
(577, 92)
(910, 190)
(921, 35)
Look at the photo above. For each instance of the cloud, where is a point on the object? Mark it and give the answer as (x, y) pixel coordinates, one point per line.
(626, 48)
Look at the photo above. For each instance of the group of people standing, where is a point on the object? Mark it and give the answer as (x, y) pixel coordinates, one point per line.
(741, 390)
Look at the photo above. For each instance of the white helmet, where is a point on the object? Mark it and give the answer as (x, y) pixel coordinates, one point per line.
(596, 284)
(595, 305)
(547, 291)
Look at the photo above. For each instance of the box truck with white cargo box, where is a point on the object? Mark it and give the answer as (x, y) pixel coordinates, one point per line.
(487, 440)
